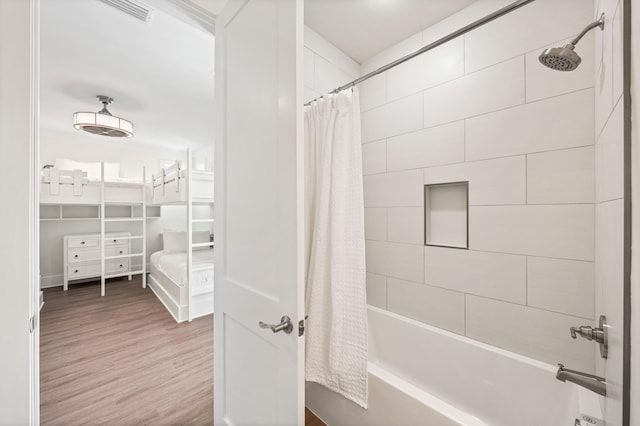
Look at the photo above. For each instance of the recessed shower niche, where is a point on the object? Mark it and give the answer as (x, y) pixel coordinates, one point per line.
(446, 213)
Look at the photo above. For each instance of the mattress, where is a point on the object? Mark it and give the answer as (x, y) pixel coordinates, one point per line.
(174, 266)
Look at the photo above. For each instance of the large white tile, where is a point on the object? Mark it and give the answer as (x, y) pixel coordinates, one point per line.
(310, 94)
(536, 24)
(322, 47)
(374, 157)
(309, 69)
(444, 63)
(562, 122)
(404, 261)
(561, 177)
(375, 224)
(604, 69)
(392, 119)
(328, 76)
(536, 333)
(377, 290)
(610, 158)
(429, 147)
(498, 87)
(491, 182)
(564, 286)
(494, 275)
(560, 231)
(543, 82)
(618, 55)
(610, 275)
(398, 189)
(431, 305)
(373, 92)
(397, 51)
(406, 225)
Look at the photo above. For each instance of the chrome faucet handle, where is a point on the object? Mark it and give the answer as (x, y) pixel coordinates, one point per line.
(585, 331)
(599, 335)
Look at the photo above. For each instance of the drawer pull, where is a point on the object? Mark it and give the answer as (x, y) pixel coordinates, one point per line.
(76, 256)
(115, 241)
(75, 272)
(120, 251)
(82, 243)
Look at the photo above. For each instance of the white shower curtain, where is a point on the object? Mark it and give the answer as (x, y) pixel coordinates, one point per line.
(336, 345)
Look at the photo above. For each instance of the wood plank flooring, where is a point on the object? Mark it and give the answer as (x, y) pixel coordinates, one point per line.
(122, 360)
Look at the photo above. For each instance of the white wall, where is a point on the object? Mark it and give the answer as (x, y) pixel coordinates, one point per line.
(609, 131)
(325, 66)
(86, 147)
(482, 109)
(15, 106)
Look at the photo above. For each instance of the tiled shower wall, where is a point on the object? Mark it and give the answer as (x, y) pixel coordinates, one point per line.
(482, 109)
(609, 154)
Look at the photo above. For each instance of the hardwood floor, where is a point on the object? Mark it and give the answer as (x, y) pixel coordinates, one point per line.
(122, 360)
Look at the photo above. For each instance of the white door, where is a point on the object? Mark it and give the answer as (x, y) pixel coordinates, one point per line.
(259, 375)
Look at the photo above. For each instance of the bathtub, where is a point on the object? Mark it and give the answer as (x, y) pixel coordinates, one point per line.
(422, 375)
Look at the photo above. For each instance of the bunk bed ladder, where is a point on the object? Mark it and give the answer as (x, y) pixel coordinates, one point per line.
(142, 218)
(189, 236)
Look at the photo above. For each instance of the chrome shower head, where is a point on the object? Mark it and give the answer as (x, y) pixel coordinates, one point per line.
(560, 58)
(565, 58)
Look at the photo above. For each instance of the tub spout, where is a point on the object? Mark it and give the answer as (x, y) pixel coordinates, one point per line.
(593, 383)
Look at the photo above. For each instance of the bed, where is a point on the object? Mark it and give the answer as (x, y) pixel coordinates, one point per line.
(74, 182)
(172, 184)
(169, 278)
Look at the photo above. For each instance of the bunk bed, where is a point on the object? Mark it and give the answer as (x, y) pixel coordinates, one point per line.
(85, 183)
(181, 275)
(68, 182)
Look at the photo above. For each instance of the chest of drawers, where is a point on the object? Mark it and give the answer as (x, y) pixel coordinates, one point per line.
(82, 256)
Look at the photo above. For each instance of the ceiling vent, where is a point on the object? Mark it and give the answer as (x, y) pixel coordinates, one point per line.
(135, 9)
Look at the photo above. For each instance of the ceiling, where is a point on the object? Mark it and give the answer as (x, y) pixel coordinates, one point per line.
(161, 73)
(362, 28)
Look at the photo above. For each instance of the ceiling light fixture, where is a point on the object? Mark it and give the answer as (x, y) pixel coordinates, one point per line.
(102, 122)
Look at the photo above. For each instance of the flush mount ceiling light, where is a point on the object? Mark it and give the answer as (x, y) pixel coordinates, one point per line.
(102, 122)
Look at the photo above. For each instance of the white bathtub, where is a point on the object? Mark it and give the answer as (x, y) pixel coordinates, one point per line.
(422, 375)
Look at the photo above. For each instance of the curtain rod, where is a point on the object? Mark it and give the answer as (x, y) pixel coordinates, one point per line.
(480, 22)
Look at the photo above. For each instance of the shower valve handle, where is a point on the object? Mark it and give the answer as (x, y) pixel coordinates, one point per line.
(599, 334)
(588, 333)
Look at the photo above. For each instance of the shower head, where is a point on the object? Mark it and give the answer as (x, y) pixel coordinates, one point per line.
(565, 58)
(560, 58)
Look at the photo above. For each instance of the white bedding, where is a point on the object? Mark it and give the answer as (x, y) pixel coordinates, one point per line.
(174, 266)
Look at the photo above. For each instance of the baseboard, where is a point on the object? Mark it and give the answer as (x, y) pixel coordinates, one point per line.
(49, 281)
(177, 312)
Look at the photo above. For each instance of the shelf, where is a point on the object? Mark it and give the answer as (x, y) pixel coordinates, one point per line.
(68, 218)
(446, 214)
(123, 219)
(124, 203)
(202, 220)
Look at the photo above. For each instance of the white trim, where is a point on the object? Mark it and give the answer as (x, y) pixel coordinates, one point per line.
(35, 294)
(177, 312)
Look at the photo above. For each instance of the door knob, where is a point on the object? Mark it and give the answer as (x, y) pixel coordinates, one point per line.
(285, 325)
(598, 334)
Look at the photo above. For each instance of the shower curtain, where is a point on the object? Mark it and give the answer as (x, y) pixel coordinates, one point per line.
(336, 342)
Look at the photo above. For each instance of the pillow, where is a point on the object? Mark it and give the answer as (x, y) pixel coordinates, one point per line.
(111, 170)
(174, 242)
